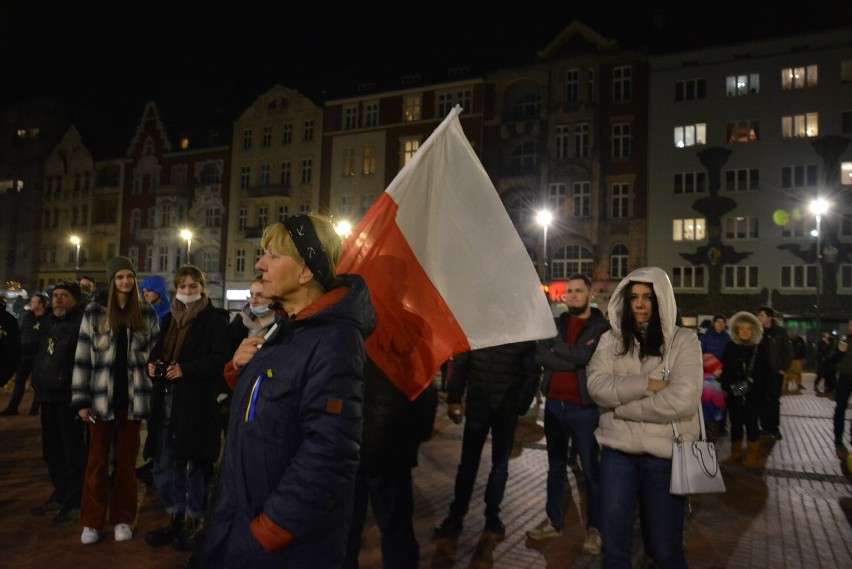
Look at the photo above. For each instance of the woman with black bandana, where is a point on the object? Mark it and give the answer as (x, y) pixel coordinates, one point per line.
(285, 493)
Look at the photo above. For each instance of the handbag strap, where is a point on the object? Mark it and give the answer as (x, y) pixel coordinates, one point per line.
(666, 371)
(751, 365)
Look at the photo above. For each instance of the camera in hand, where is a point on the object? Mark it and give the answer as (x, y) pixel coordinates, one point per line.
(160, 370)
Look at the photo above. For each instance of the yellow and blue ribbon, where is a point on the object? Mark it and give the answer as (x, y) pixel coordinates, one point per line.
(251, 408)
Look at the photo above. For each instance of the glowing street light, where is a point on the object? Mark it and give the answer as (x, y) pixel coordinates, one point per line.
(186, 235)
(343, 228)
(818, 207)
(544, 218)
(75, 240)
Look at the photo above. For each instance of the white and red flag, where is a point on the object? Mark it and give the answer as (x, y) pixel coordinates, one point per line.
(446, 268)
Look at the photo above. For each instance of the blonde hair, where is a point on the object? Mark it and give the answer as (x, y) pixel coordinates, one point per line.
(278, 238)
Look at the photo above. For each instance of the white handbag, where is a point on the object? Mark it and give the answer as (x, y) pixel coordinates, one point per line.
(695, 469)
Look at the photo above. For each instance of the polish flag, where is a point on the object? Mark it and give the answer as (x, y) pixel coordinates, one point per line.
(446, 268)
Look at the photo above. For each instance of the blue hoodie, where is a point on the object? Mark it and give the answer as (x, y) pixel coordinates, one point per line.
(156, 283)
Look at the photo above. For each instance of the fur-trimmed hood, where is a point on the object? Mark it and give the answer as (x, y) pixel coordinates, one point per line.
(665, 299)
(748, 318)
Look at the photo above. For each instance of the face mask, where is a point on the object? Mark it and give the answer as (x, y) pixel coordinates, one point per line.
(188, 298)
(260, 310)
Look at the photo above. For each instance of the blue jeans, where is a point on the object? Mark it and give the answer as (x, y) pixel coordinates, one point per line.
(630, 478)
(181, 484)
(564, 422)
(502, 437)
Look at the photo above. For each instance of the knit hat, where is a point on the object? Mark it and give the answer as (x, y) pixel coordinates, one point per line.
(711, 363)
(73, 287)
(119, 264)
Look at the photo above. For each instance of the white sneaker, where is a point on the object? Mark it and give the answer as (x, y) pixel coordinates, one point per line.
(592, 543)
(89, 536)
(544, 530)
(123, 532)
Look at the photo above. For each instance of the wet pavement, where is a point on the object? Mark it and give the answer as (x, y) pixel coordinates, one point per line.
(794, 512)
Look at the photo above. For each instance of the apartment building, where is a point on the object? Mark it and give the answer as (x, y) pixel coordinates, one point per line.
(742, 139)
(174, 204)
(567, 136)
(276, 154)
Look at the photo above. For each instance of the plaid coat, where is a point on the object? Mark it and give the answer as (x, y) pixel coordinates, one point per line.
(92, 382)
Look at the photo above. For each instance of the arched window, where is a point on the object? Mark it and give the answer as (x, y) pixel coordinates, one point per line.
(571, 259)
(526, 107)
(618, 262)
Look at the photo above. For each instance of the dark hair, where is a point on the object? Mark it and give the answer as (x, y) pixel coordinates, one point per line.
(129, 316)
(719, 317)
(768, 310)
(651, 343)
(582, 277)
(193, 272)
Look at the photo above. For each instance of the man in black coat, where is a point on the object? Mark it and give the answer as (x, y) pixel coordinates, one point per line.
(394, 427)
(10, 345)
(501, 382)
(30, 329)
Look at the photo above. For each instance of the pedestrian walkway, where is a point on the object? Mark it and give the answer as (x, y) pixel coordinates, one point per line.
(796, 512)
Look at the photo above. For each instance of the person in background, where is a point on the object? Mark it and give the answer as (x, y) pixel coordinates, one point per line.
(780, 355)
(826, 367)
(184, 429)
(745, 359)
(10, 348)
(714, 340)
(799, 351)
(570, 414)
(30, 327)
(286, 487)
(111, 393)
(712, 396)
(843, 359)
(394, 427)
(63, 434)
(500, 382)
(87, 289)
(639, 404)
(156, 293)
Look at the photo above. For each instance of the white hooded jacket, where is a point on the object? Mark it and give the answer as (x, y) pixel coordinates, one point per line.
(634, 419)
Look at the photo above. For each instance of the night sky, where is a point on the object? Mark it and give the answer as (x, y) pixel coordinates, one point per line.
(207, 61)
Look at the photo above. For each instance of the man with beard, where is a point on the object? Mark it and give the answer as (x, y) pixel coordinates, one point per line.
(569, 412)
(63, 435)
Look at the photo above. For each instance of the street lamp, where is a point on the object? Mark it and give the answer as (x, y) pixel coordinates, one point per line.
(818, 207)
(75, 240)
(343, 228)
(544, 218)
(186, 234)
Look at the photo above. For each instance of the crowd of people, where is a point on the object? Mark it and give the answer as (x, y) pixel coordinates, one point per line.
(270, 432)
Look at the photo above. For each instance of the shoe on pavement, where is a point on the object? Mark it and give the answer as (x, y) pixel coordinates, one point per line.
(48, 507)
(89, 536)
(592, 543)
(450, 527)
(123, 532)
(494, 526)
(544, 530)
(66, 516)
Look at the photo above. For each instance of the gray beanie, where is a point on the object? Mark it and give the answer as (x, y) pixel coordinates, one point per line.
(119, 264)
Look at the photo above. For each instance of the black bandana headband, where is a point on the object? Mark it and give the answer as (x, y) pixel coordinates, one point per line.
(304, 236)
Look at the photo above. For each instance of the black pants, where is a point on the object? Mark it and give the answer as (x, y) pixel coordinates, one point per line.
(743, 413)
(21, 375)
(770, 417)
(393, 507)
(841, 398)
(63, 445)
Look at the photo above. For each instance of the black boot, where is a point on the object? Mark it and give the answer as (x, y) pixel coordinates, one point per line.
(190, 536)
(167, 534)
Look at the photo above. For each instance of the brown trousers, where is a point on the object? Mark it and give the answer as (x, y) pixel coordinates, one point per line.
(93, 507)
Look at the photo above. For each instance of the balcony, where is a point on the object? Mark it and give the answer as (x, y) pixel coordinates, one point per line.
(277, 190)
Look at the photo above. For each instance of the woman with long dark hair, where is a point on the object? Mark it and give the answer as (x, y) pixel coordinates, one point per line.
(638, 404)
(112, 393)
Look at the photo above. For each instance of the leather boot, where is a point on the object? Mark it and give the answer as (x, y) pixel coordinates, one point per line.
(167, 534)
(736, 454)
(752, 459)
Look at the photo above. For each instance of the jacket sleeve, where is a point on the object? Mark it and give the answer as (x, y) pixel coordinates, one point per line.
(531, 379)
(786, 351)
(607, 389)
(318, 481)
(81, 379)
(681, 396)
(581, 353)
(545, 356)
(11, 343)
(457, 384)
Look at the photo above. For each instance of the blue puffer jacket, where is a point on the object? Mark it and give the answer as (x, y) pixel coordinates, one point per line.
(293, 439)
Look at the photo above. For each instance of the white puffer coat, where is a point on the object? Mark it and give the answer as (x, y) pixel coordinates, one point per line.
(634, 419)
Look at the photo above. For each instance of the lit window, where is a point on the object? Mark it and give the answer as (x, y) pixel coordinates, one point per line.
(369, 165)
(743, 131)
(688, 229)
(799, 77)
(409, 148)
(796, 126)
(739, 85)
(846, 173)
(411, 108)
(690, 135)
(348, 168)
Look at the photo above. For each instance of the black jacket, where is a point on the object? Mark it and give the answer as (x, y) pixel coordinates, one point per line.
(31, 331)
(500, 381)
(736, 358)
(195, 413)
(10, 346)
(556, 355)
(54, 362)
(394, 427)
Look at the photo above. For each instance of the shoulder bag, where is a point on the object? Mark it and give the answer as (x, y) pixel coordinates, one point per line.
(695, 469)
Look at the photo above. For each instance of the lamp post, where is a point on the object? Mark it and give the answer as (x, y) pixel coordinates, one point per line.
(544, 218)
(343, 228)
(75, 240)
(186, 234)
(818, 207)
